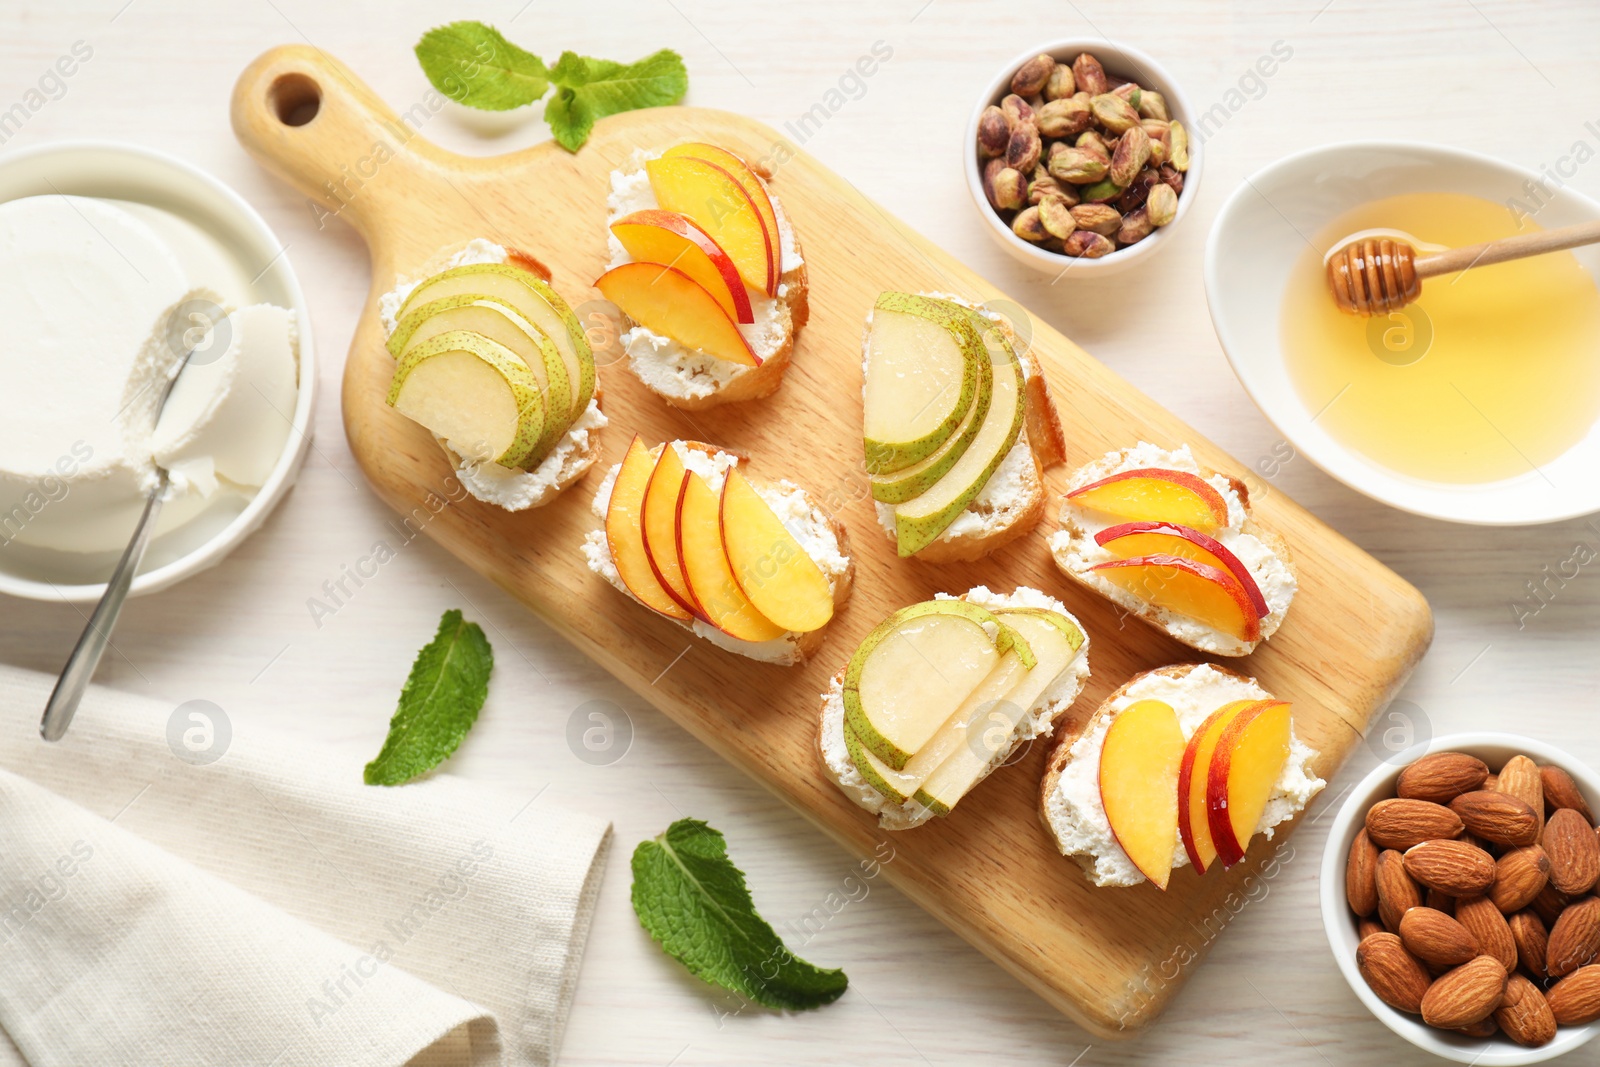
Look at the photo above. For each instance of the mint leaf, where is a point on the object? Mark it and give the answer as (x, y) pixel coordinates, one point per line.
(693, 900)
(448, 685)
(473, 65)
(589, 89)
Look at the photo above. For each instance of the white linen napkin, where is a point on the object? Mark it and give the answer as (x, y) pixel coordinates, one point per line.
(267, 907)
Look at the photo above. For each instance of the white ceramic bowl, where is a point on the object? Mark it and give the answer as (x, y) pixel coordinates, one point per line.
(1494, 749)
(129, 172)
(1262, 231)
(1124, 62)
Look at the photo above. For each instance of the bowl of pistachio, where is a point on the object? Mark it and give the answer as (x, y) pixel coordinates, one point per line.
(1080, 157)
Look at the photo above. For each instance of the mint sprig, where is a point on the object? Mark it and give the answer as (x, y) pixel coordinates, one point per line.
(589, 89)
(473, 64)
(442, 697)
(692, 899)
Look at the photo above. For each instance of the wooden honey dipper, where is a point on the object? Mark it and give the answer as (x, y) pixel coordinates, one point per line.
(1376, 275)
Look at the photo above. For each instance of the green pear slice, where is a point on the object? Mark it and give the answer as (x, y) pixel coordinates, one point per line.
(475, 394)
(913, 481)
(912, 673)
(923, 365)
(919, 521)
(534, 301)
(957, 758)
(878, 774)
(504, 324)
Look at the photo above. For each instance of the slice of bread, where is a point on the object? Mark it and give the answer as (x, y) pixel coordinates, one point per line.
(1263, 552)
(1013, 500)
(575, 452)
(694, 381)
(1038, 722)
(1072, 813)
(821, 528)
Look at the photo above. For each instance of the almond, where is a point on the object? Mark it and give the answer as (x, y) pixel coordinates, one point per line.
(1560, 791)
(1394, 974)
(1483, 1028)
(1520, 778)
(1549, 904)
(1436, 938)
(1574, 852)
(1441, 777)
(1466, 995)
(1485, 923)
(1498, 817)
(1520, 876)
(1367, 927)
(1491, 784)
(1401, 823)
(1360, 875)
(1575, 938)
(1452, 867)
(1524, 1014)
(1575, 999)
(1532, 940)
(1397, 893)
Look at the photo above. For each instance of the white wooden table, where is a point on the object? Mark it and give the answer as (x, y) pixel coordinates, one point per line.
(1510, 78)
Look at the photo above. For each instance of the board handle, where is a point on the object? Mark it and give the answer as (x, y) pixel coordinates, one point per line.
(304, 116)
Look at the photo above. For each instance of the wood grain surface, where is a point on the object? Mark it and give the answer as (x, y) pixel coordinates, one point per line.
(1110, 959)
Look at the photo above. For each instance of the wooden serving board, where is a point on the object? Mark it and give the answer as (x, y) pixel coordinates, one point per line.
(1109, 958)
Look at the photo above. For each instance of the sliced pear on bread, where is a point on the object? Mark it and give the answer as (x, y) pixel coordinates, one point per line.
(475, 394)
(924, 362)
(920, 520)
(533, 299)
(504, 324)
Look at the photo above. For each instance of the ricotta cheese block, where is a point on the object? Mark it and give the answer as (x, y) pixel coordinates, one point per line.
(1073, 809)
(514, 490)
(805, 522)
(1039, 721)
(663, 364)
(1076, 552)
(108, 312)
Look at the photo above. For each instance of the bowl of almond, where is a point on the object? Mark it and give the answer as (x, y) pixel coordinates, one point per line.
(1459, 897)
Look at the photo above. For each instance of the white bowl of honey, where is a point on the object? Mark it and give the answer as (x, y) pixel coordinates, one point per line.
(1478, 403)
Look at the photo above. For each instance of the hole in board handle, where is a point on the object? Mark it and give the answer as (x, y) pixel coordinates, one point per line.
(295, 99)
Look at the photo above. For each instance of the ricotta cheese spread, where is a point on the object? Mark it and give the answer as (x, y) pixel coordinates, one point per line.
(109, 309)
(514, 490)
(805, 522)
(1075, 549)
(1074, 809)
(665, 365)
(1039, 720)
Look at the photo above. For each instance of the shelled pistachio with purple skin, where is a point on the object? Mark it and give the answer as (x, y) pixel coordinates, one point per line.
(1081, 162)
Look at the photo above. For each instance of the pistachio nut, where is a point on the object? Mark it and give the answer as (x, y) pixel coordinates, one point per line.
(1077, 166)
(1179, 151)
(1136, 226)
(1101, 192)
(1138, 190)
(1063, 118)
(1092, 141)
(1022, 153)
(1027, 225)
(1010, 190)
(1047, 188)
(1061, 84)
(1089, 74)
(1152, 105)
(1132, 153)
(1033, 75)
(991, 170)
(994, 132)
(1057, 218)
(1097, 218)
(1086, 245)
(1170, 175)
(1162, 206)
(1113, 112)
(1018, 112)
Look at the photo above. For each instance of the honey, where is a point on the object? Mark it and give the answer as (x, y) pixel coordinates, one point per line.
(1490, 374)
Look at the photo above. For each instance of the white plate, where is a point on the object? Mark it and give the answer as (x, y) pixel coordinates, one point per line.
(1340, 925)
(1258, 237)
(255, 267)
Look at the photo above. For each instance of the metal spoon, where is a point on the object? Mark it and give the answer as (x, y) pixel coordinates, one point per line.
(85, 657)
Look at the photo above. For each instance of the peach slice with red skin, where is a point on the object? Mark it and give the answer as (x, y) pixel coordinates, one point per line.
(1248, 759)
(711, 580)
(1207, 594)
(1169, 538)
(750, 182)
(675, 240)
(668, 301)
(659, 527)
(717, 201)
(625, 532)
(771, 567)
(1139, 764)
(1194, 827)
(1156, 495)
